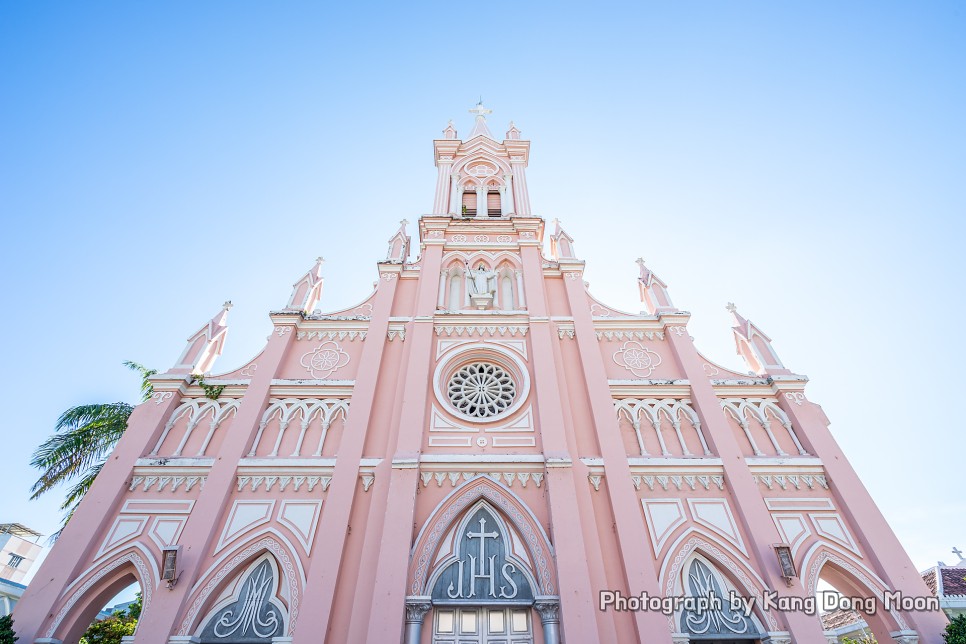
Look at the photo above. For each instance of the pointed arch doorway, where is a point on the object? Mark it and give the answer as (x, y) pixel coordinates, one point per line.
(479, 582)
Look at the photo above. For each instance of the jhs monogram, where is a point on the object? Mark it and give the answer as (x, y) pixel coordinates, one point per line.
(507, 587)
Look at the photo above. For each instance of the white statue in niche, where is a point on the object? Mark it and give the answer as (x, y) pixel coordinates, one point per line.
(480, 281)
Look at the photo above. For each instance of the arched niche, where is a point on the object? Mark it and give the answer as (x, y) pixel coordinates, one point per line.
(84, 599)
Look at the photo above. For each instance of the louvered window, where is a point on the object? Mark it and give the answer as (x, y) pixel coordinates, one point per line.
(469, 204)
(493, 204)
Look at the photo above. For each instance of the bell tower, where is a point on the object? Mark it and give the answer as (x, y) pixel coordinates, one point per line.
(482, 178)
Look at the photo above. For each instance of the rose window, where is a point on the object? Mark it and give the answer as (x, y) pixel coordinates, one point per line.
(481, 390)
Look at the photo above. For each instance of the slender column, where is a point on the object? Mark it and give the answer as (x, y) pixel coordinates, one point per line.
(549, 610)
(393, 562)
(521, 200)
(323, 574)
(76, 545)
(456, 195)
(573, 572)
(506, 195)
(877, 540)
(214, 500)
(521, 298)
(480, 202)
(442, 185)
(441, 299)
(751, 513)
(416, 609)
(631, 530)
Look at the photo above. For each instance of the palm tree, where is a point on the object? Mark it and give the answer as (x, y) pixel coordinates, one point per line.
(85, 436)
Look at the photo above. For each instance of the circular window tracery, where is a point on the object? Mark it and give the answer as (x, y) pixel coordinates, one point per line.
(481, 390)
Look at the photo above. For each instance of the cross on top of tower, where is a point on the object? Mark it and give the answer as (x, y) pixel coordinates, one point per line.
(479, 110)
(958, 552)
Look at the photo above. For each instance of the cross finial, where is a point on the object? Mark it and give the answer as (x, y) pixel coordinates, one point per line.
(320, 260)
(479, 110)
(640, 262)
(404, 222)
(227, 305)
(731, 307)
(958, 552)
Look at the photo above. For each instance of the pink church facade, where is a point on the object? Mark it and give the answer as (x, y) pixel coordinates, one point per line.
(478, 452)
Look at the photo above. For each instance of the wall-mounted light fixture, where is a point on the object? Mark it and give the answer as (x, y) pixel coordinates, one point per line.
(785, 561)
(169, 565)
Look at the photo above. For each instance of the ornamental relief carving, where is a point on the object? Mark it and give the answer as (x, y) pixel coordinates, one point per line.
(638, 359)
(325, 360)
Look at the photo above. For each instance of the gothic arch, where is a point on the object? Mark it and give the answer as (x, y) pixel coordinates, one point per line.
(97, 585)
(849, 576)
(232, 565)
(453, 510)
(727, 562)
(249, 605)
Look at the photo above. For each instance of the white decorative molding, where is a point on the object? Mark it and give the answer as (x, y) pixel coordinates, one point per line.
(663, 518)
(165, 531)
(798, 503)
(367, 479)
(325, 359)
(460, 330)
(783, 480)
(527, 235)
(459, 239)
(390, 276)
(573, 275)
(125, 528)
(621, 334)
(832, 527)
(172, 482)
(302, 518)
(679, 481)
(793, 529)
(710, 370)
(265, 483)
(243, 517)
(638, 359)
(678, 330)
(333, 334)
(595, 480)
(161, 396)
(504, 239)
(248, 371)
(396, 330)
(481, 239)
(716, 515)
(796, 397)
(152, 506)
(455, 477)
(280, 331)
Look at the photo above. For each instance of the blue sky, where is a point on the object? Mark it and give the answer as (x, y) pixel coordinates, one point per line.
(804, 160)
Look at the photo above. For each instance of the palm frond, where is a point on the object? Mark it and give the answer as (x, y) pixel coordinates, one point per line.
(89, 432)
(147, 389)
